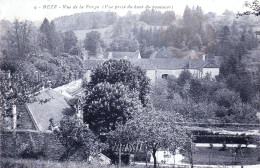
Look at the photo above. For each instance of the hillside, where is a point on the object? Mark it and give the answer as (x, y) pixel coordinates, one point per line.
(87, 20)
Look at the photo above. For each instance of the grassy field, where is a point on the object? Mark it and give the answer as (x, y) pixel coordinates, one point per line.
(202, 156)
(28, 163)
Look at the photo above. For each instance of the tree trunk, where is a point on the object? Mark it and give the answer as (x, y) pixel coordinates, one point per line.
(154, 158)
(191, 159)
(119, 156)
(146, 158)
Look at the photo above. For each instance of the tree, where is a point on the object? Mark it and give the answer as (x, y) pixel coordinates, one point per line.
(189, 148)
(130, 45)
(197, 91)
(224, 44)
(75, 135)
(225, 97)
(187, 17)
(45, 34)
(156, 130)
(243, 113)
(113, 71)
(49, 38)
(254, 6)
(91, 42)
(109, 104)
(69, 40)
(183, 78)
(18, 40)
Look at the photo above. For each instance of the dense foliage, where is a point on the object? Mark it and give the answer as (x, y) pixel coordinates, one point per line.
(74, 136)
(114, 71)
(204, 100)
(109, 104)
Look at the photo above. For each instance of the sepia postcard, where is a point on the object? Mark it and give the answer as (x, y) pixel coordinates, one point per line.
(134, 84)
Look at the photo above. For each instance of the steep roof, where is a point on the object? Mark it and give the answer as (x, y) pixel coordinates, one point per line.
(71, 89)
(218, 60)
(195, 63)
(170, 63)
(144, 64)
(213, 62)
(210, 65)
(49, 104)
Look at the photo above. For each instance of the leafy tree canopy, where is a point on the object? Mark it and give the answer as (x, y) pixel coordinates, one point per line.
(113, 71)
(74, 135)
(109, 104)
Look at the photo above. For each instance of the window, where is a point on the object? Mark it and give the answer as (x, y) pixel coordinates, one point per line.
(165, 76)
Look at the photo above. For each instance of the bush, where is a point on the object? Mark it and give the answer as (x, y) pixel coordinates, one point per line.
(32, 154)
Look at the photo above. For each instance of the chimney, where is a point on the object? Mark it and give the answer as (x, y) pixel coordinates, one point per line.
(8, 74)
(43, 85)
(204, 57)
(51, 127)
(138, 54)
(37, 76)
(14, 116)
(110, 55)
(49, 84)
(79, 111)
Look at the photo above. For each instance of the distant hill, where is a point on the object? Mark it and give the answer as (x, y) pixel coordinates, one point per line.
(84, 21)
(106, 33)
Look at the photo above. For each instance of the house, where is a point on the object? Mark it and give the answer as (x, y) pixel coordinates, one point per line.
(211, 66)
(71, 89)
(157, 68)
(45, 110)
(166, 157)
(145, 65)
(195, 67)
(169, 66)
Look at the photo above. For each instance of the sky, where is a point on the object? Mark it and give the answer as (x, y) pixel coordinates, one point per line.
(34, 9)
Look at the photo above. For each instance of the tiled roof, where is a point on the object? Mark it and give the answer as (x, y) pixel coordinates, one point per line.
(213, 62)
(218, 60)
(195, 63)
(162, 63)
(144, 64)
(71, 89)
(210, 65)
(170, 63)
(49, 104)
